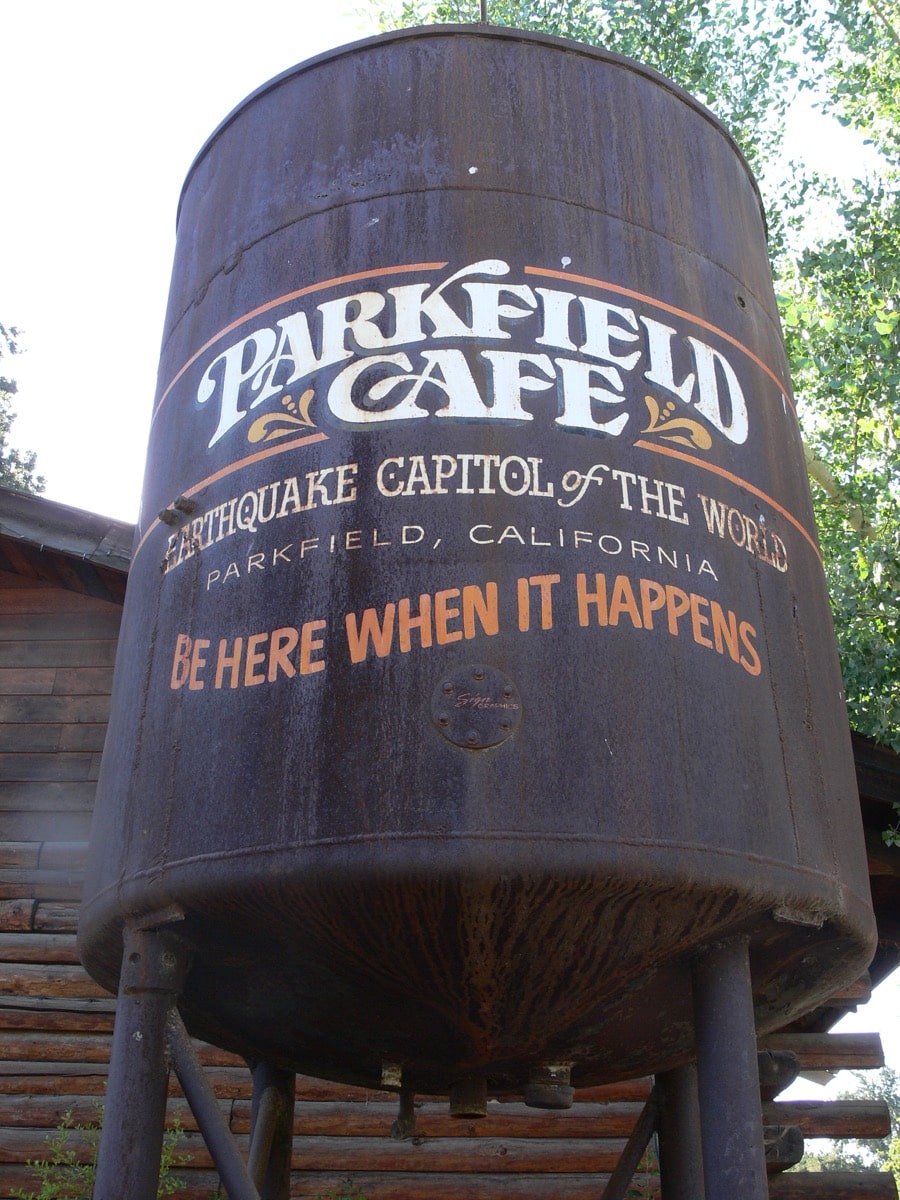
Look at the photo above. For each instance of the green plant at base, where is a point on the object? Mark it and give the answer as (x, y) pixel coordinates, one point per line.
(64, 1176)
(645, 1183)
(346, 1190)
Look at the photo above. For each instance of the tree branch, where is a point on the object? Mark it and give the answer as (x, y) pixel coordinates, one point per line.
(823, 476)
(885, 20)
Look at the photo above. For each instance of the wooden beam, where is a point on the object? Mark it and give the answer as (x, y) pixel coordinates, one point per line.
(832, 1118)
(40, 1112)
(16, 914)
(47, 797)
(64, 1047)
(434, 1155)
(51, 737)
(32, 979)
(69, 653)
(37, 768)
(52, 1079)
(200, 1185)
(56, 1020)
(54, 915)
(33, 619)
(833, 1185)
(829, 1051)
(373, 1119)
(19, 854)
(39, 948)
(857, 992)
(57, 856)
(58, 709)
(71, 1004)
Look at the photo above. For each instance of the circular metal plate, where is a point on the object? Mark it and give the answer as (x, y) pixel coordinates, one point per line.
(476, 707)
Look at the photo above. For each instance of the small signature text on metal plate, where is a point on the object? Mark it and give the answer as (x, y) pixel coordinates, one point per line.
(476, 707)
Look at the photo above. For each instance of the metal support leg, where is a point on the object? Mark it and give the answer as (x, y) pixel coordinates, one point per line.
(154, 965)
(272, 1130)
(680, 1153)
(734, 1161)
(631, 1156)
(205, 1107)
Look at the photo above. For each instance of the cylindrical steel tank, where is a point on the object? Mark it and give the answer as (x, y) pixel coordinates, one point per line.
(477, 668)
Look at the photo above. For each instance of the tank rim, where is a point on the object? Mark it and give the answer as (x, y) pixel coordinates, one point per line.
(504, 32)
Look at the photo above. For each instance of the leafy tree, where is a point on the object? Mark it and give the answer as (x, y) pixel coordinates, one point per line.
(857, 43)
(16, 466)
(842, 326)
(838, 288)
(842, 319)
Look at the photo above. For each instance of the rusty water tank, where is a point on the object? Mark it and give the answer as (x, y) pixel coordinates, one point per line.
(477, 668)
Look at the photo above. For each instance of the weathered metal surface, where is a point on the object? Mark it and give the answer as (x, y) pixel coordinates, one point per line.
(731, 1130)
(154, 965)
(272, 1131)
(634, 1150)
(472, 361)
(680, 1149)
(212, 1122)
(549, 1086)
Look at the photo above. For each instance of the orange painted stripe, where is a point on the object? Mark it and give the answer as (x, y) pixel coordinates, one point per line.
(270, 304)
(669, 308)
(236, 466)
(705, 466)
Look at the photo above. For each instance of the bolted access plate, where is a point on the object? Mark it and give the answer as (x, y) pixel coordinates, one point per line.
(476, 707)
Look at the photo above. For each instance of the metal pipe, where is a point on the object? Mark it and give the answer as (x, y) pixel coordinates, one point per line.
(680, 1152)
(205, 1107)
(734, 1160)
(272, 1130)
(405, 1125)
(154, 964)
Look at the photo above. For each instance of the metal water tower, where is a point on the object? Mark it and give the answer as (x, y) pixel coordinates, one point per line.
(477, 724)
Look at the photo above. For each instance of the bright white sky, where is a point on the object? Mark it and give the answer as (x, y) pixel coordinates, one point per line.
(105, 105)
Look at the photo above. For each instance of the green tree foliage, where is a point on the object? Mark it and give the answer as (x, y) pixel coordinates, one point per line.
(842, 327)
(842, 319)
(857, 43)
(16, 466)
(838, 281)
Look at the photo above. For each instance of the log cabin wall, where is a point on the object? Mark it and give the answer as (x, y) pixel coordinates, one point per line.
(62, 582)
(62, 579)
